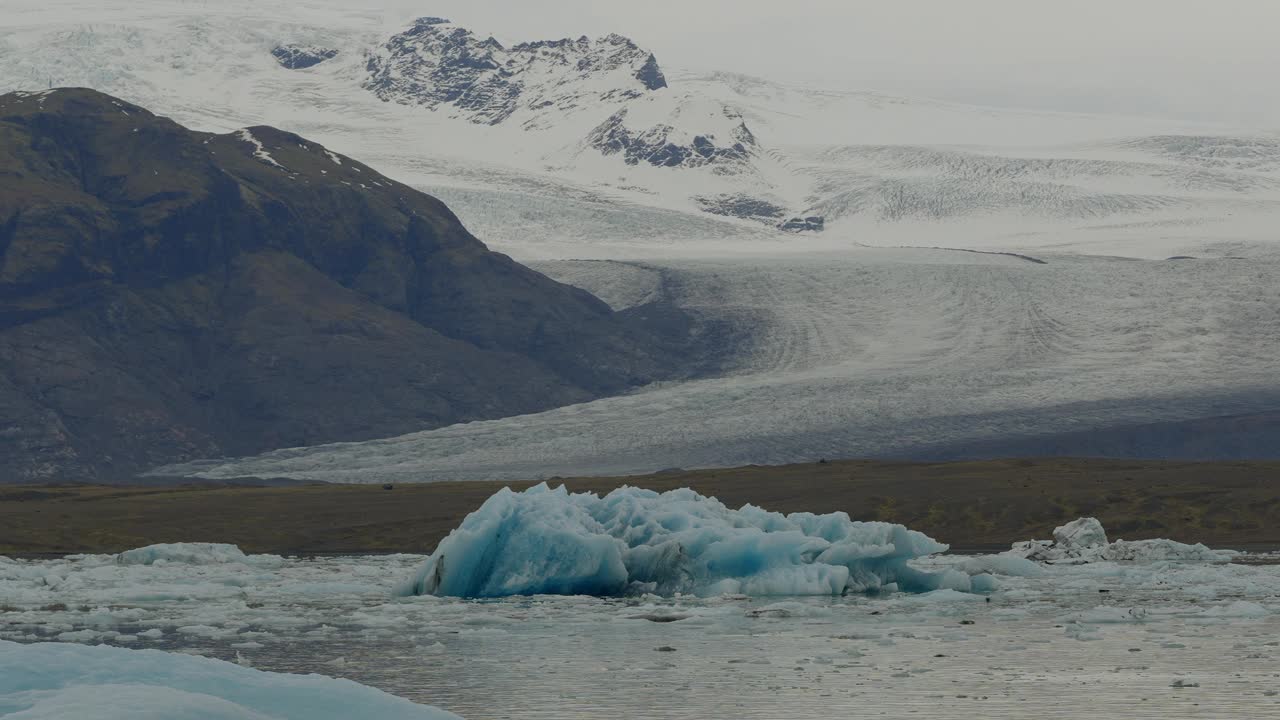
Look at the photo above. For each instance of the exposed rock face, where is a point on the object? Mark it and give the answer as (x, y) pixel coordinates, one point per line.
(663, 145)
(742, 206)
(444, 67)
(298, 57)
(811, 223)
(167, 294)
(650, 75)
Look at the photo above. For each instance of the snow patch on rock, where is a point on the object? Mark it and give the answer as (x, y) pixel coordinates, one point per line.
(259, 150)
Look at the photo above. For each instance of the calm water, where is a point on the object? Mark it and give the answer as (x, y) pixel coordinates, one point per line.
(1097, 641)
(514, 660)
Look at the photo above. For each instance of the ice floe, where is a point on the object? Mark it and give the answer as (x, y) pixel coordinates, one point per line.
(1085, 540)
(631, 541)
(192, 554)
(44, 681)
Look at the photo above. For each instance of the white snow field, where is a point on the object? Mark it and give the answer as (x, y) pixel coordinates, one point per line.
(859, 340)
(881, 170)
(1178, 635)
(51, 681)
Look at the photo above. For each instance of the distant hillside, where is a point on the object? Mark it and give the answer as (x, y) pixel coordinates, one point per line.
(167, 294)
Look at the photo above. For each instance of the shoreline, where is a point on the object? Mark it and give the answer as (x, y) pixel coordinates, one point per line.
(977, 505)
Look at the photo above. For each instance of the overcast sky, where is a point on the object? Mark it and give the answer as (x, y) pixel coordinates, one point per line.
(1212, 59)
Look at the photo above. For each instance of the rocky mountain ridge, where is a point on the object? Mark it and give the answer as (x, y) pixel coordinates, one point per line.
(168, 294)
(443, 67)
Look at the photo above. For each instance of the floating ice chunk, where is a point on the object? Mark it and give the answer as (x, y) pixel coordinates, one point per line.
(1109, 615)
(787, 610)
(545, 541)
(1083, 633)
(192, 554)
(1085, 532)
(1149, 551)
(1084, 540)
(1240, 609)
(943, 596)
(983, 583)
(1001, 565)
(46, 681)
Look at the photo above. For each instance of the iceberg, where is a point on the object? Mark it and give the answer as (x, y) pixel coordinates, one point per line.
(1085, 540)
(633, 541)
(192, 553)
(48, 681)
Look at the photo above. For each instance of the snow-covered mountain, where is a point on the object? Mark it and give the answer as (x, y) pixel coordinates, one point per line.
(568, 141)
(443, 67)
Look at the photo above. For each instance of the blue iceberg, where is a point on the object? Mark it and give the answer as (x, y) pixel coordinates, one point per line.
(553, 542)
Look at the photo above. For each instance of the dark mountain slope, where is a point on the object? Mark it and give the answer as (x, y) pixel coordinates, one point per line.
(167, 294)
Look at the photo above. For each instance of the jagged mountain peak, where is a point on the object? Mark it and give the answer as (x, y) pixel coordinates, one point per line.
(691, 132)
(445, 67)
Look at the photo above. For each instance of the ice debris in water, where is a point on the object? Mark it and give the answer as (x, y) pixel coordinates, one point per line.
(1084, 540)
(44, 681)
(192, 554)
(545, 541)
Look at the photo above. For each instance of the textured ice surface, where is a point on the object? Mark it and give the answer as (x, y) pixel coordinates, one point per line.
(64, 682)
(551, 541)
(1085, 540)
(904, 353)
(1083, 533)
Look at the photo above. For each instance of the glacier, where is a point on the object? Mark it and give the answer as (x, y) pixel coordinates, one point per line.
(546, 541)
(48, 681)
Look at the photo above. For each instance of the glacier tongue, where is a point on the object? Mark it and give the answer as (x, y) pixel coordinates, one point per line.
(551, 541)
